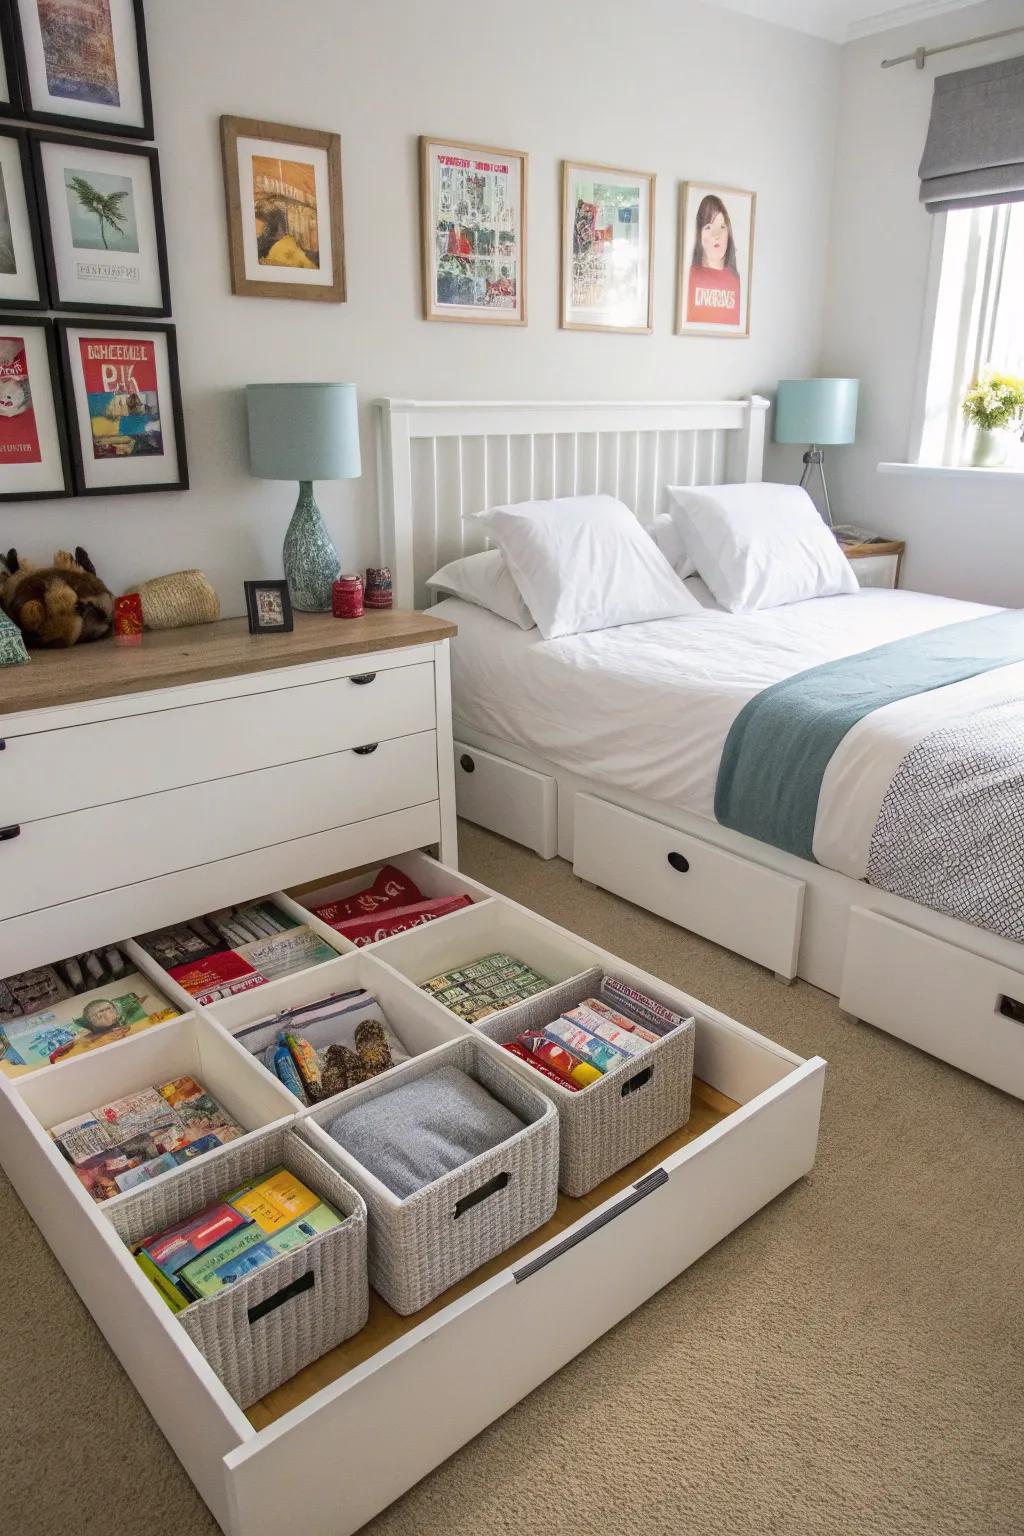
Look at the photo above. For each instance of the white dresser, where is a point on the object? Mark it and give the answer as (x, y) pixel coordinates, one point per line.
(141, 785)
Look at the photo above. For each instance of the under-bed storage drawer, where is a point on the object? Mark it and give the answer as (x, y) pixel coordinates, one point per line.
(748, 908)
(956, 1005)
(507, 798)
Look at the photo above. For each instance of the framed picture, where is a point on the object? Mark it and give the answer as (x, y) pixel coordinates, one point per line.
(10, 83)
(269, 607)
(607, 248)
(22, 279)
(286, 237)
(83, 64)
(124, 407)
(33, 444)
(473, 206)
(103, 225)
(716, 259)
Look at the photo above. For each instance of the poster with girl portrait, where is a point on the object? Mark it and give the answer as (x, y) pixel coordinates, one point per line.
(716, 258)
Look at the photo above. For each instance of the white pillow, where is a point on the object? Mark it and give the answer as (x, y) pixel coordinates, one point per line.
(669, 540)
(760, 545)
(484, 580)
(583, 563)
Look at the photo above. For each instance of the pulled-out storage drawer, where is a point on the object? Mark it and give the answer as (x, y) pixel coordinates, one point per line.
(956, 1005)
(750, 909)
(507, 798)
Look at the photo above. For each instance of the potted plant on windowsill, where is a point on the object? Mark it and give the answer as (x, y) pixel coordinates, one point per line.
(993, 405)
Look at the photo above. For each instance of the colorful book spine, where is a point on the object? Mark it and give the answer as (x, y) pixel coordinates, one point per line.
(619, 1035)
(611, 1015)
(516, 1049)
(650, 1012)
(584, 1043)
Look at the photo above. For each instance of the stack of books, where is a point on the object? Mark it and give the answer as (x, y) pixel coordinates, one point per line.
(271, 1215)
(236, 949)
(133, 1139)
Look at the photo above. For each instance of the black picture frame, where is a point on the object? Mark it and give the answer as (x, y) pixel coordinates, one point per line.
(252, 588)
(10, 131)
(12, 69)
(100, 146)
(21, 321)
(143, 130)
(62, 328)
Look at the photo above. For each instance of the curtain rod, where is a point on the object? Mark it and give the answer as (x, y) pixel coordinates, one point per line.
(920, 54)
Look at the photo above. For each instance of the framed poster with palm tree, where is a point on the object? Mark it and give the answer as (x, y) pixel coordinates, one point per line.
(103, 225)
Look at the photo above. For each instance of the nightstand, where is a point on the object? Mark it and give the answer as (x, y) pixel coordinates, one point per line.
(876, 560)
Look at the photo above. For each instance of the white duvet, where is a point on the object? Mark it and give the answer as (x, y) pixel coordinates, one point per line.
(647, 707)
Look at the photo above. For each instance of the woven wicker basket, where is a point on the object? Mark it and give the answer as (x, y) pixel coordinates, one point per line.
(183, 597)
(265, 1328)
(420, 1246)
(606, 1125)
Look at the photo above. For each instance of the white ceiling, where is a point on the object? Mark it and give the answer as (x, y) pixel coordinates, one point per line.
(841, 20)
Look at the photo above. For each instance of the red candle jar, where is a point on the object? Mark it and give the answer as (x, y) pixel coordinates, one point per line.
(128, 619)
(347, 597)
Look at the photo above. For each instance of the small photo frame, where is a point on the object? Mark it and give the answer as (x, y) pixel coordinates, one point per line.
(473, 211)
(10, 84)
(286, 233)
(607, 248)
(269, 608)
(33, 442)
(123, 397)
(716, 260)
(22, 275)
(83, 64)
(103, 225)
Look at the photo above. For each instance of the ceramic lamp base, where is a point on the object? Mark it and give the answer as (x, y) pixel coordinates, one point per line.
(311, 561)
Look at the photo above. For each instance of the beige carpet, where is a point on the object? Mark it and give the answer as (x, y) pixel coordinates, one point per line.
(850, 1363)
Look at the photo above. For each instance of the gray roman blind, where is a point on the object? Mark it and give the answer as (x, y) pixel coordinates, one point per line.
(974, 153)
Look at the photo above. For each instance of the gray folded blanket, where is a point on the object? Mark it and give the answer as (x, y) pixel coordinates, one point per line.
(422, 1130)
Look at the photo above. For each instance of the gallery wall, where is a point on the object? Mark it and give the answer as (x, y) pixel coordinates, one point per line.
(965, 537)
(670, 86)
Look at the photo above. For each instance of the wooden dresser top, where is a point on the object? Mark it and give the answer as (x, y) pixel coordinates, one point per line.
(176, 657)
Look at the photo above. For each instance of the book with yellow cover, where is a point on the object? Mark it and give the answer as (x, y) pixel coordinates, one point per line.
(274, 1200)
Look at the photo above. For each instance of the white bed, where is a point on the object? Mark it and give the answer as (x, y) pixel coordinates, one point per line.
(616, 735)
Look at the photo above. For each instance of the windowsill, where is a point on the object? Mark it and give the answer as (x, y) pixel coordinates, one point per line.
(953, 471)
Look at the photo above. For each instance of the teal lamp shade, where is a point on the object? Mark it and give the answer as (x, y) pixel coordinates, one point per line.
(818, 411)
(305, 432)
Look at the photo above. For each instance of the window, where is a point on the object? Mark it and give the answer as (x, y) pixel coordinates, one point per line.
(978, 327)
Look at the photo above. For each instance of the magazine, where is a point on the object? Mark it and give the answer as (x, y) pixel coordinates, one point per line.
(73, 1025)
(232, 951)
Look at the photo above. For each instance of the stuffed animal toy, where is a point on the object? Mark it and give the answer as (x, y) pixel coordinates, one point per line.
(59, 604)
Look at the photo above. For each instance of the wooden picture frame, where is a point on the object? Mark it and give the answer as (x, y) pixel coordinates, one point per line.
(10, 74)
(487, 281)
(137, 262)
(584, 300)
(145, 382)
(42, 422)
(121, 72)
(315, 163)
(22, 267)
(257, 625)
(735, 209)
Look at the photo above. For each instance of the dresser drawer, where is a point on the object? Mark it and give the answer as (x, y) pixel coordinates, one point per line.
(63, 858)
(48, 773)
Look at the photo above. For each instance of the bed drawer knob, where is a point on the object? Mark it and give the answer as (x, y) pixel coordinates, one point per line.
(679, 862)
(365, 751)
(466, 763)
(361, 678)
(1011, 1008)
(8, 834)
(3, 745)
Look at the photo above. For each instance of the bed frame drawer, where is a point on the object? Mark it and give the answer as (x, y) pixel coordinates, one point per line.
(749, 909)
(506, 798)
(956, 1005)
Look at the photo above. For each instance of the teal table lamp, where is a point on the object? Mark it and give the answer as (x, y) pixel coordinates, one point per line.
(820, 412)
(305, 432)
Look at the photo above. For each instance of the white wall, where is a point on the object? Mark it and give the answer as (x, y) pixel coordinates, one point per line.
(672, 86)
(964, 538)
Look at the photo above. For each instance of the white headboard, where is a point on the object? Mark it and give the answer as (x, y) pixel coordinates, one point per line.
(442, 458)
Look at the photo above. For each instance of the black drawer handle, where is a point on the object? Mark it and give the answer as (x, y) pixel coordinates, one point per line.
(638, 1080)
(477, 1196)
(361, 678)
(641, 1189)
(365, 751)
(7, 834)
(679, 862)
(466, 763)
(1011, 1008)
(3, 745)
(305, 1282)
